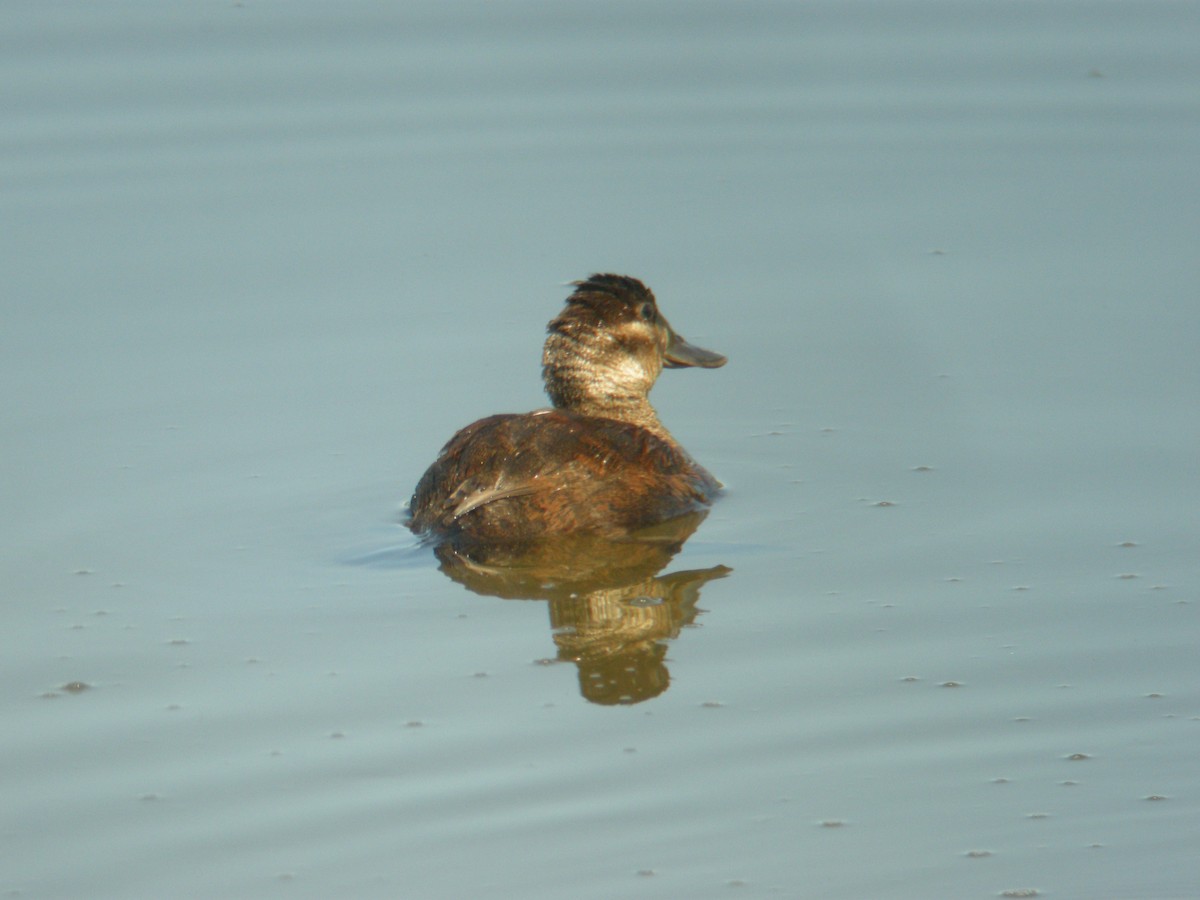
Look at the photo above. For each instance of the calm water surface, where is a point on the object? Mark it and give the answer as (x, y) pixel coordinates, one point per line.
(938, 639)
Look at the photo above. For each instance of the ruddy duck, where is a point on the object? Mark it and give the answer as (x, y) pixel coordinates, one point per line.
(600, 461)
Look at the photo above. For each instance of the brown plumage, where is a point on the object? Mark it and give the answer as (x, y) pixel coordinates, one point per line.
(601, 461)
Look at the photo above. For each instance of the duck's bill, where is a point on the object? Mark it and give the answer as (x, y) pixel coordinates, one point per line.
(681, 354)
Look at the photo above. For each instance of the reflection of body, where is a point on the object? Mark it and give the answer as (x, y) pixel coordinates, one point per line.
(618, 638)
(600, 462)
(610, 610)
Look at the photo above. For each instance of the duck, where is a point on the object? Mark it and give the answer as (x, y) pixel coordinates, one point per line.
(599, 461)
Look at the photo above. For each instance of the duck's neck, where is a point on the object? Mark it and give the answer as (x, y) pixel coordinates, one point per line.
(635, 411)
(596, 392)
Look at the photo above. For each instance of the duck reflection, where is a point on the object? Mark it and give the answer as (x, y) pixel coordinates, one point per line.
(611, 613)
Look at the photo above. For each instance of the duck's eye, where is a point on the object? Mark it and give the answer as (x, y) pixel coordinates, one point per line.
(646, 311)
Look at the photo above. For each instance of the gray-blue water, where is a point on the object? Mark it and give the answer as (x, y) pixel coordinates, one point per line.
(262, 259)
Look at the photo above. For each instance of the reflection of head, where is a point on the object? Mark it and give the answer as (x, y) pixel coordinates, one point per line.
(636, 674)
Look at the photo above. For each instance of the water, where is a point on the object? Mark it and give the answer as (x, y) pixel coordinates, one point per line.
(262, 260)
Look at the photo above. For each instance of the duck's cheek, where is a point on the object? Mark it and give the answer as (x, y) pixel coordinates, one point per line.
(652, 366)
(634, 373)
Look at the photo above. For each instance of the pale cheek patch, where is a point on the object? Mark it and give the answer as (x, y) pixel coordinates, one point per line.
(641, 344)
(628, 372)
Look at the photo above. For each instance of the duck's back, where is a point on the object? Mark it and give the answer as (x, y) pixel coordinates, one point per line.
(517, 477)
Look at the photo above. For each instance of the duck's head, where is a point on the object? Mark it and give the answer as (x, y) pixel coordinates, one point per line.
(608, 346)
